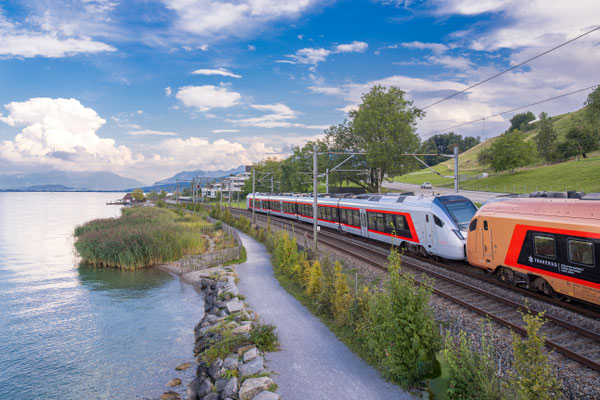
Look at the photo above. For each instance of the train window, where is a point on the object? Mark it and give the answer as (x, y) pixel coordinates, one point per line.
(380, 223)
(372, 221)
(544, 246)
(401, 223)
(426, 218)
(485, 226)
(473, 225)
(390, 224)
(334, 214)
(329, 217)
(581, 252)
(356, 217)
(438, 221)
(343, 218)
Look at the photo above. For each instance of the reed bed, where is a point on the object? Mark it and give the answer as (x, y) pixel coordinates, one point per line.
(141, 237)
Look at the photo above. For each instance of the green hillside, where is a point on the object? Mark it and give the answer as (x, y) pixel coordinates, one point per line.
(572, 175)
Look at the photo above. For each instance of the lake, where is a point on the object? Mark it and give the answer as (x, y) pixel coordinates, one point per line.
(75, 332)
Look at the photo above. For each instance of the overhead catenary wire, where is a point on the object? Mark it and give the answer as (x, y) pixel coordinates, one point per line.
(512, 68)
(508, 111)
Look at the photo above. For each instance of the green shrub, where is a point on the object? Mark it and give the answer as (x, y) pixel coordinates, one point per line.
(222, 346)
(341, 299)
(472, 367)
(264, 337)
(532, 376)
(402, 332)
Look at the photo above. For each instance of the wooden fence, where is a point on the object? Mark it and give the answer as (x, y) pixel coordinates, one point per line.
(209, 260)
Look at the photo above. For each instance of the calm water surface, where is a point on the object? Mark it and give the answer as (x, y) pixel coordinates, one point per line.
(71, 332)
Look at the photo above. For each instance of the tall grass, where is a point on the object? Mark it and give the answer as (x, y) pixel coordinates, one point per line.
(141, 237)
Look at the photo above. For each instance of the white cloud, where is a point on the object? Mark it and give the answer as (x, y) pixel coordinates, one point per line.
(223, 18)
(61, 133)
(308, 56)
(354, 47)
(207, 97)
(251, 47)
(225, 130)
(218, 71)
(435, 47)
(278, 116)
(148, 132)
(168, 91)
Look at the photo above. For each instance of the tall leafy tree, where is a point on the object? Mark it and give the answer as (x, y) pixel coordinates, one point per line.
(444, 144)
(581, 139)
(384, 127)
(592, 109)
(545, 140)
(521, 121)
(511, 151)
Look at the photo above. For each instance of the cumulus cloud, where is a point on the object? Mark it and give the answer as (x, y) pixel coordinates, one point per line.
(168, 91)
(354, 47)
(218, 71)
(207, 97)
(277, 116)
(224, 18)
(308, 56)
(60, 133)
(149, 132)
(435, 47)
(225, 130)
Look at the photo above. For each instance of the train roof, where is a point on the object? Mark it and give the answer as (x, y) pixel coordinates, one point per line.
(551, 207)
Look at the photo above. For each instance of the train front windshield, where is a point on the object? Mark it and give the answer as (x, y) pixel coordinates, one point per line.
(462, 212)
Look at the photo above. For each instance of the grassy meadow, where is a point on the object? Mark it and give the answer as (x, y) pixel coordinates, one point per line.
(140, 237)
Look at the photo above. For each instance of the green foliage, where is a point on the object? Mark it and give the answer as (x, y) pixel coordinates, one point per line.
(521, 121)
(472, 366)
(228, 374)
(341, 299)
(511, 151)
(444, 144)
(545, 140)
(313, 283)
(264, 337)
(581, 139)
(532, 377)
(138, 195)
(222, 345)
(402, 332)
(592, 108)
(141, 237)
(161, 203)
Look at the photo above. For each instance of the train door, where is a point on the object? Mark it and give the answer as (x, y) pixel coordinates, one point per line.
(430, 233)
(363, 223)
(486, 241)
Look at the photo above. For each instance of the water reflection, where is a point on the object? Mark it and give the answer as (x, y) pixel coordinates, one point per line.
(136, 283)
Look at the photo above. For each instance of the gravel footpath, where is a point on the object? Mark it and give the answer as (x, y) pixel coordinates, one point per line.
(312, 363)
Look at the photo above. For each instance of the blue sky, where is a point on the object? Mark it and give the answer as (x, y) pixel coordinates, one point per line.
(147, 88)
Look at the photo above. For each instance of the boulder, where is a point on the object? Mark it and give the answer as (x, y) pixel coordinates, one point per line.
(266, 395)
(183, 367)
(231, 388)
(220, 384)
(253, 367)
(199, 388)
(243, 349)
(170, 395)
(174, 382)
(215, 369)
(212, 318)
(234, 305)
(231, 362)
(242, 329)
(212, 396)
(202, 369)
(250, 354)
(252, 387)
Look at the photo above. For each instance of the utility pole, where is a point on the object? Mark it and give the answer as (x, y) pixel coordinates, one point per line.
(221, 195)
(456, 169)
(253, 196)
(229, 191)
(327, 180)
(271, 184)
(315, 192)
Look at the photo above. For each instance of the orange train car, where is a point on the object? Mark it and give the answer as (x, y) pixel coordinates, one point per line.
(547, 244)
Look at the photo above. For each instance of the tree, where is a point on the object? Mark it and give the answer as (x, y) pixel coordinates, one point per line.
(546, 138)
(581, 139)
(484, 157)
(510, 151)
(162, 194)
(187, 192)
(444, 144)
(138, 195)
(384, 127)
(521, 121)
(592, 108)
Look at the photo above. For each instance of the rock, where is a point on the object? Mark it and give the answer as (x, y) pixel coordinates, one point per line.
(212, 318)
(212, 396)
(223, 313)
(252, 387)
(266, 395)
(215, 369)
(202, 369)
(174, 382)
(250, 354)
(231, 362)
(183, 367)
(243, 349)
(199, 388)
(253, 367)
(246, 322)
(170, 395)
(242, 329)
(220, 384)
(231, 388)
(234, 305)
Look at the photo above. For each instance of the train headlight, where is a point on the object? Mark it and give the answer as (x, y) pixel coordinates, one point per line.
(459, 234)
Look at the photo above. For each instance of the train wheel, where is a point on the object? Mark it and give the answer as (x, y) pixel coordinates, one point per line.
(544, 287)
(506, 275)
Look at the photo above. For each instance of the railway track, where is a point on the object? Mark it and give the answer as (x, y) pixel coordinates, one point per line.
(575, 342)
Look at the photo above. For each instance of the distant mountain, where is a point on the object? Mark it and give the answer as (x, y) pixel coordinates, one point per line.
(188, 175)
(68, 180)
(50, 188)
